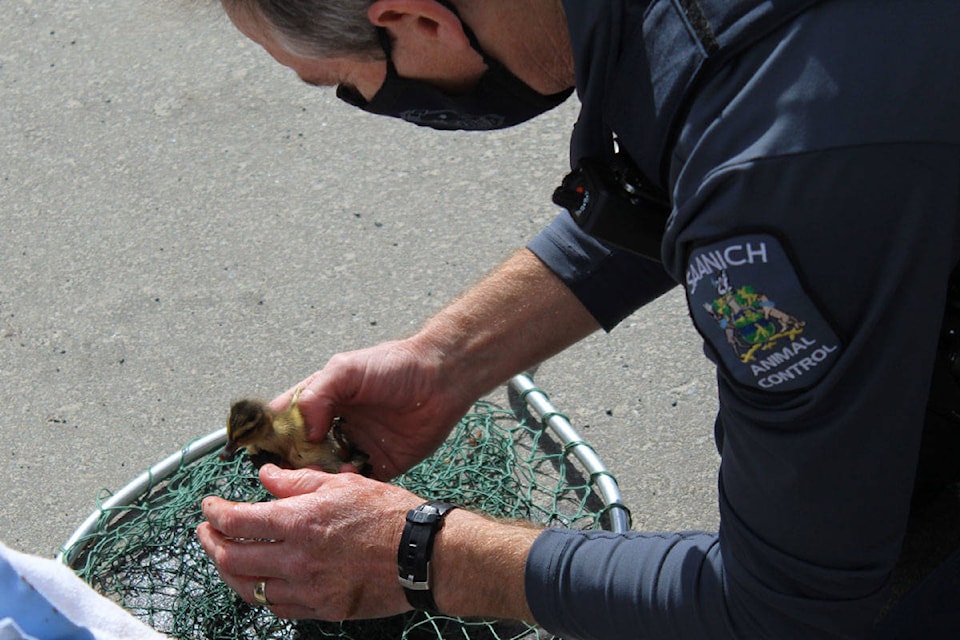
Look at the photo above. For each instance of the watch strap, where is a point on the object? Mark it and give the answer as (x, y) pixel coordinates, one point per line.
(416, 550)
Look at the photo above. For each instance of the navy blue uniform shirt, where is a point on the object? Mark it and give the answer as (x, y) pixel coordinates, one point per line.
(812, 155)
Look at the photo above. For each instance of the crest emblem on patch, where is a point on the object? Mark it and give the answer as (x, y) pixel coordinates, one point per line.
(750, 320)
(748, 303)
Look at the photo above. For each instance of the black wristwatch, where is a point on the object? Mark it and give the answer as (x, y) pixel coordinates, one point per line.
(416, 548)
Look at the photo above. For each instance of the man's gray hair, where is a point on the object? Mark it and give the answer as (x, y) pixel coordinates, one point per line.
(317, 28)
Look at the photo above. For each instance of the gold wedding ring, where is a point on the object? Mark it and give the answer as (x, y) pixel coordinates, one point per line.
(260, 594)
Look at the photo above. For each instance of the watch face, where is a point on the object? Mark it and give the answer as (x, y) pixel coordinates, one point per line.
(440, 507)
(430, 512)
(421, 515)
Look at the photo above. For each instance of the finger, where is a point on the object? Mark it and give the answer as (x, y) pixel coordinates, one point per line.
(278, 591)
(291, 600)
(317, 409)
(239, 560)
(285, 483)
(283, 401)
(241, 520)
(294, 612)
(283, 600)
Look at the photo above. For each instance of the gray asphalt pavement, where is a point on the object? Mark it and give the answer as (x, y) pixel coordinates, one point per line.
(183, 223)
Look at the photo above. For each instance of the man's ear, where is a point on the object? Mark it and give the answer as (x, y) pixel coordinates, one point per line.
(419, 18)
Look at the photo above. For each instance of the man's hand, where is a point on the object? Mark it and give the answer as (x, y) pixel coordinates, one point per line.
(327, 549)
(400, 399)
(332, 550)
(395, 402)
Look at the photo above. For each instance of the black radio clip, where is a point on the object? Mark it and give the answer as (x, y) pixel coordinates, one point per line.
(612, 202)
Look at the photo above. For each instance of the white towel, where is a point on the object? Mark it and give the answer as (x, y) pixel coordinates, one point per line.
(41, 599)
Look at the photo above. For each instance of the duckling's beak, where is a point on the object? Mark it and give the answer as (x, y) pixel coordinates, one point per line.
(229, 451)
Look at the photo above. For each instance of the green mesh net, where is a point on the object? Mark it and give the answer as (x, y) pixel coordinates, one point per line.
(144, 553)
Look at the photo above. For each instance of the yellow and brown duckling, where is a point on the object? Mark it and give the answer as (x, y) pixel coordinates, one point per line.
(269, 436)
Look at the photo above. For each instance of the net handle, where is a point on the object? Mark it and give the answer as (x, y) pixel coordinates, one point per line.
(560, 425)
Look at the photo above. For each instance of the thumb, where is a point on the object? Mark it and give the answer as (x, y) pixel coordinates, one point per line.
(316, 408)
(286, 483)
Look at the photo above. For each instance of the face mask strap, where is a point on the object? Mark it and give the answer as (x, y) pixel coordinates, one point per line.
(471, 36)
(384, 37)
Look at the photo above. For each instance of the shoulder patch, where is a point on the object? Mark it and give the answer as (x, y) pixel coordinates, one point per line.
(747, 302)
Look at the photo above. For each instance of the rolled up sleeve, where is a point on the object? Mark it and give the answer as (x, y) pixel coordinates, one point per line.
(610, 283)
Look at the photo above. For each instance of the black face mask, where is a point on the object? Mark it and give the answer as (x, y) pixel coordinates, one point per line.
(498, 100)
